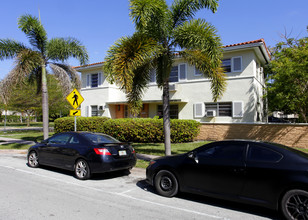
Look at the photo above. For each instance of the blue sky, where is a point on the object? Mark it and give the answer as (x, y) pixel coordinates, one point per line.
(99, 23)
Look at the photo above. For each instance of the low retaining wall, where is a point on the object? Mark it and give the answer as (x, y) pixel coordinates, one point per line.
(293, 135)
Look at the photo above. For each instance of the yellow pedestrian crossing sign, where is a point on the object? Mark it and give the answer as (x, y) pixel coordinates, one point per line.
(75, 112)
(74, 98)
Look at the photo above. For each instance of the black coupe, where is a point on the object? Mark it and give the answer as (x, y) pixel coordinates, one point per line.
(83, 152)
(258, 173)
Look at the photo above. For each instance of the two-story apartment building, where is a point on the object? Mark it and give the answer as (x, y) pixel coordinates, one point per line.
(190, 94)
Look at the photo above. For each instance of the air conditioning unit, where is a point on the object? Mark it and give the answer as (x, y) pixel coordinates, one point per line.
(172, 87)
(211, 113)
(101, 108)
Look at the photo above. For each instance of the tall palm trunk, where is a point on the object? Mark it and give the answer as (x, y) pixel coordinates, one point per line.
(45, 102)
(166, 118)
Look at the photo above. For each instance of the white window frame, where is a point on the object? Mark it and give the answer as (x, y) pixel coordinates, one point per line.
(153, 72)
(232, 64)
(99, 80)
(241, 114)
(179, 72)
(197, 74)
(199, 105)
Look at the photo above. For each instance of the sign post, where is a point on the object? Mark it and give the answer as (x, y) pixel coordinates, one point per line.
(75, 99)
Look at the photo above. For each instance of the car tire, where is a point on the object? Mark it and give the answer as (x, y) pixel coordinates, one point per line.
(33, 159)
(294, 204)
(166, 183)
(82, 170)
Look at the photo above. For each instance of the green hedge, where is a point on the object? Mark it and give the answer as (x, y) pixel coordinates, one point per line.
(94, 124)
(140, 130)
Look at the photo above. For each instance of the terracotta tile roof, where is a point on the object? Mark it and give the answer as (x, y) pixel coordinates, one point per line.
(250, 42)
(91, 64)
(231, 45)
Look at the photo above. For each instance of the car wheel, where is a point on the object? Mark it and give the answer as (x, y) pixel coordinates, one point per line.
(294, 204)
(166, 183)
(33, 159)
(82, 169)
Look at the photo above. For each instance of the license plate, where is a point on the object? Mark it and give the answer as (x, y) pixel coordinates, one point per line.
(122, 153)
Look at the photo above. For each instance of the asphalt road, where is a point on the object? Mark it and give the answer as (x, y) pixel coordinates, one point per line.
(47, 193)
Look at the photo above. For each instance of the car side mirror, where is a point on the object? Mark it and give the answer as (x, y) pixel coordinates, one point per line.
(192, 155)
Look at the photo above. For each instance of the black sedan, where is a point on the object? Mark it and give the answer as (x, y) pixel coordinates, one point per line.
(84, 153)
(258, 173)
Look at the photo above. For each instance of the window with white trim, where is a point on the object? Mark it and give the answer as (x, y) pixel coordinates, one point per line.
(233, 64)
(198, 72)
(178, 73)
(94, 80)
(153, 76)
(173, 111)
(222, 109)
(94, 110)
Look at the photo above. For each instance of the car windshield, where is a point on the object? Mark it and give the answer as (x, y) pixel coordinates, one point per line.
(100, 138)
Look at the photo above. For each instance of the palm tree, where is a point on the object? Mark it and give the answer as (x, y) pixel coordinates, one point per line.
(161, 29)
(31, 62)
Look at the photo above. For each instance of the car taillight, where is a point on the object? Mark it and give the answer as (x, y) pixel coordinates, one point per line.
(102, 151)
(133, 150)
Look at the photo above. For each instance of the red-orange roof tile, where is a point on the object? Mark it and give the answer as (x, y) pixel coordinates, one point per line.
(231, 45)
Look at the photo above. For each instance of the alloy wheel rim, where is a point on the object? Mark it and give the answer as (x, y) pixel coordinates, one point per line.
(81, 169)
(33, 160)
(166, 183)
(297, 206)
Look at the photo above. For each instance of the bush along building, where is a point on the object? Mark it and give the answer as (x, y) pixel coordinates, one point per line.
(190, 93)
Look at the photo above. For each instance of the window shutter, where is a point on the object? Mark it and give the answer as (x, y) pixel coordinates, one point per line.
(182, 69)
(99, 79)
(237, 64)
(87, 111)
(238, 109)
(88, 80)
(199, 110)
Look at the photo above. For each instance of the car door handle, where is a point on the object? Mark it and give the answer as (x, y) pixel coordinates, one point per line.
(239, 170)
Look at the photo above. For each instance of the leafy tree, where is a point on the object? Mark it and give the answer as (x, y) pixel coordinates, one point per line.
(24, 98)
(31, 62)
(159, 30)
(288, 77)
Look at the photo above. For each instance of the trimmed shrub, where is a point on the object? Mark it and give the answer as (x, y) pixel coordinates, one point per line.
(94, 124)
(140, 130)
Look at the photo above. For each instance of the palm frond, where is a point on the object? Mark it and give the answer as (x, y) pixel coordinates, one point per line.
(202, 48)
(210, 69)
(66, 76)
(34, 30)
(152, 17)
(10, 48)
(26, 62)
(184, 10)
(139, 85)
(198, 34)
(61, 49)
(127, 55)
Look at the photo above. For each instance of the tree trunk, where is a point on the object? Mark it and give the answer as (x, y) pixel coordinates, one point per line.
(166, 117)
(45, 103)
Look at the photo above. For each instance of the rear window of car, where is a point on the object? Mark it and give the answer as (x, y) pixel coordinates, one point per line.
(100, 138)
